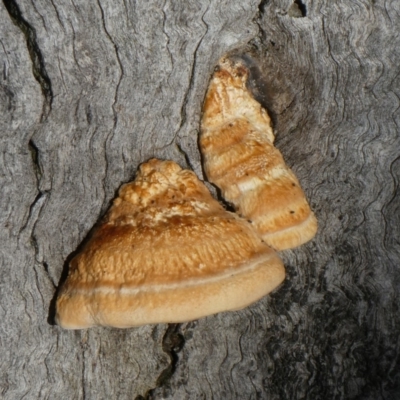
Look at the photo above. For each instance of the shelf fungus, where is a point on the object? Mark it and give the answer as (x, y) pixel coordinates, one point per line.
(166, 251)
(239, 157)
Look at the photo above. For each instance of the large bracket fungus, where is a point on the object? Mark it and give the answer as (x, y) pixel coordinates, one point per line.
(166, 251)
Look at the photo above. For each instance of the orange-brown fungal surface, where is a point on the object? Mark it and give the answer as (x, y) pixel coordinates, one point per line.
(239, 157)
(166, 251)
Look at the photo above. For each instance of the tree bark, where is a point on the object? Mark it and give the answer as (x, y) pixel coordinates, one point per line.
(90, 89)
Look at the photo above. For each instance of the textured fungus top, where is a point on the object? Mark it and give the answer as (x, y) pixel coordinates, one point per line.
(239, 157)
(166, 251)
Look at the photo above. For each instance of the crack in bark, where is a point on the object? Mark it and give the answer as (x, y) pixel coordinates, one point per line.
(38, 64)
(118, 60)
(185, 155)
(297, 10)
(165, 33)
(35, 159)
(172, 343)
(38, 201)
(262, 5)
(192, 77)
(189, 89)
(111, 134)
(57, 14)
(35, 209)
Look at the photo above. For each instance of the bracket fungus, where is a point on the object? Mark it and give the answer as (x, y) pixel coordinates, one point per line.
(166, 251)
(239, 157)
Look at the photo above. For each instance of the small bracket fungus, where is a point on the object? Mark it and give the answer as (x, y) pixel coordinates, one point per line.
(166, 251)
(239, 157)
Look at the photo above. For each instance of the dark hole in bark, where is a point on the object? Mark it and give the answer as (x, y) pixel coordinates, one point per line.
(298, 9)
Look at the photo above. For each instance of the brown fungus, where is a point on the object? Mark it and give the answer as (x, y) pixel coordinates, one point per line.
(239, 157)
(166, 251)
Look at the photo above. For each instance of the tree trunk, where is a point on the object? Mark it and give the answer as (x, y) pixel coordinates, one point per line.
(90, 89)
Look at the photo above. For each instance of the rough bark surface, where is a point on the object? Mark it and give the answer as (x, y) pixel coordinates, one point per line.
(90, 89)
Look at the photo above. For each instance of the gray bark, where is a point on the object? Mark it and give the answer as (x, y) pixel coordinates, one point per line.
(90, 89)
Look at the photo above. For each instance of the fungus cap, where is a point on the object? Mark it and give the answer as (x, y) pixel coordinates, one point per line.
(165, 252)
(236, 142)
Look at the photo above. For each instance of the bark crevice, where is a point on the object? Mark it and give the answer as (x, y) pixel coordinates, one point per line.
(36, 56)
(117, 56)
(172, 343)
